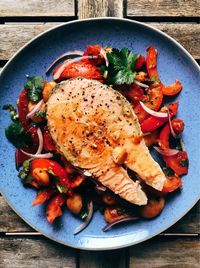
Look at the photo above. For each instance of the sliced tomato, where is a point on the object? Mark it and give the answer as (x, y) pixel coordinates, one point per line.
(20, 158)
(152, 123)
(22, 106)
(178, 125)
(81, 69)
(56, 168)
(54, 207)
(172, 184)
(178, 163)
(49, 144)
(42, 196)
(172, 89)
(140, 62)
(151, 63)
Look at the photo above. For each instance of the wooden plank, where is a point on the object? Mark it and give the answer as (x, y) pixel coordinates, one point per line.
(11, 222)
(104, 259)
(166, 252)
(17, 8)
(37, 252)
(100, 8)
(13, 36)
(163, 8)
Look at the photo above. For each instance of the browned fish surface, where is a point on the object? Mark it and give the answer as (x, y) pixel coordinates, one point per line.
(96, 129)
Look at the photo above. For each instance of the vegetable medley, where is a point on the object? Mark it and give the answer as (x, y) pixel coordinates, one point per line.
(61, 185)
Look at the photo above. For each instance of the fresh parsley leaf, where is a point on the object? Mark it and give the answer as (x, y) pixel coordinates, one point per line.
(61, 189)
(34, 86)
(168, 171)
(16, 135)
(184, 162)
(123, 77)
(23, 174)
(121, 64)
(13, 112)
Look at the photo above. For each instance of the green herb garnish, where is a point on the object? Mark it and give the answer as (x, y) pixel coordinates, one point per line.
(184, 162)
(23, 174)
(13, 112)
(41, 113)
(121, 64)
(34, 86)
(16, 135)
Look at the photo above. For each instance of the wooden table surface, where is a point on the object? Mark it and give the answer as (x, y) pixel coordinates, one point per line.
(21, 20)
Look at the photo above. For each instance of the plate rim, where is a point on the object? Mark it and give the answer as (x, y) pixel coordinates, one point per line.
(77, 22)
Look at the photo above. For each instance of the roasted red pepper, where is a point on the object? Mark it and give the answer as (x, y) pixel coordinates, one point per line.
(57, 169)
(140, 62)
(49, 144)
(152, 100)
(172, 184)
(172, 89)
(54, 207)
(81, 69)
(178, 163)
(94, 50)
(43, 196)
(151, 63)
(20, 158)
(152, 123)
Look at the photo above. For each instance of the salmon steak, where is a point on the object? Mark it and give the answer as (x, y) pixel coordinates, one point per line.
(95, 128)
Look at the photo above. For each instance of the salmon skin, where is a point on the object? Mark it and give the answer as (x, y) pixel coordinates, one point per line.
(96, 129)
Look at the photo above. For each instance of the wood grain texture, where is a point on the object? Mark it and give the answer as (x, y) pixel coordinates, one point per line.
(14, 36)
(32, 8)
(100, 8)
(166, 252)
(176, 8)
(104, 259)
(11, 222)
(37, 252)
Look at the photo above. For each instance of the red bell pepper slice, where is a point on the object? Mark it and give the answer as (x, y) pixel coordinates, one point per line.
(81, 69)
(151, 63)
(54, 207)
(48, 143)
(42, 196)
(178, 163)
(140, 62)
(57, 169)
(20, 158)
(152, 123)
(172, 184)
(172, 89)
(153, 100)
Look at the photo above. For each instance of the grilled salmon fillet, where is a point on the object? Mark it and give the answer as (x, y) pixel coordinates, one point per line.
(96, 129)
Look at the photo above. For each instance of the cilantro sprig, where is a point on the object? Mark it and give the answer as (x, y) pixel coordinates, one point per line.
(34, 86)
(121, 64)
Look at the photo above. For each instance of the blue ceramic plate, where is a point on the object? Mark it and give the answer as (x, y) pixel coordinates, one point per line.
(174, 62)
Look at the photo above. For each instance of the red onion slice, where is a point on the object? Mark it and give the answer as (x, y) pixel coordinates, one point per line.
(103, 53)
(87, 219)
(40, 138)
(109, 225)
(170, 125)
(35, 109)
(140, 84)
(64, 55)
(153, 113)
(67, 62)
(166, 152)
(47, 155)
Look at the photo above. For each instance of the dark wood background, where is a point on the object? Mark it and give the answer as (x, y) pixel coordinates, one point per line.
(20, 246)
